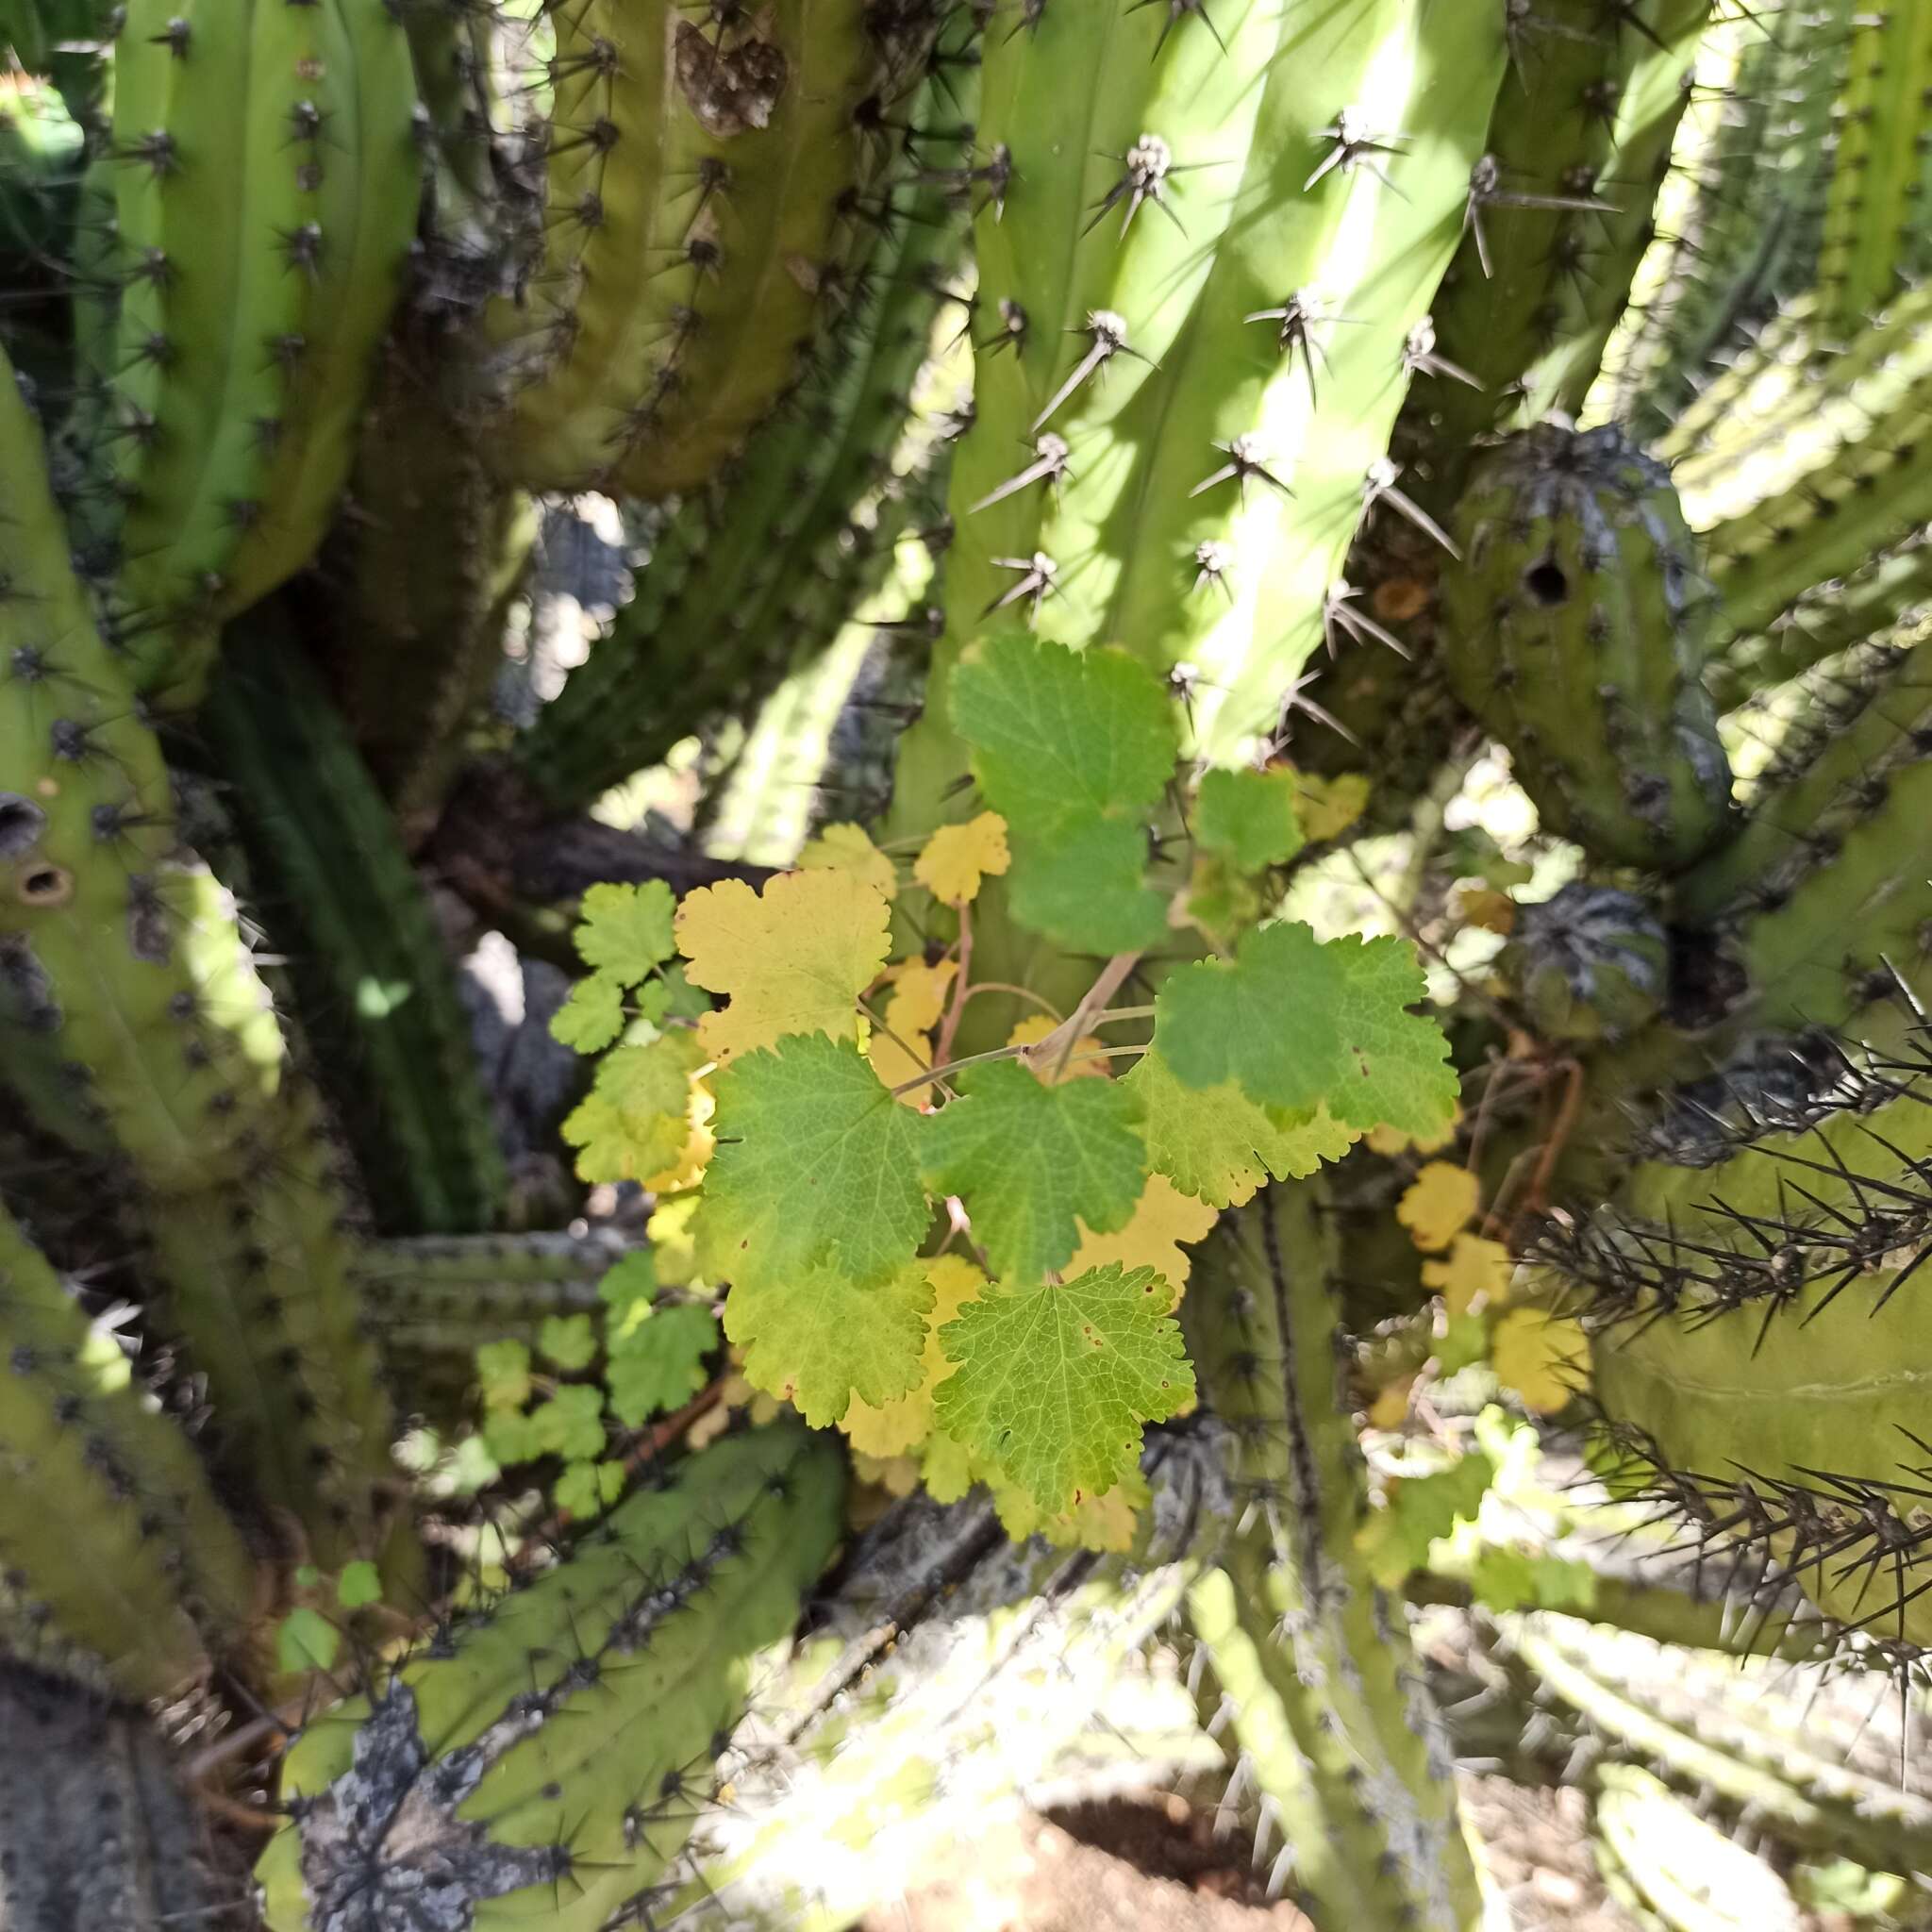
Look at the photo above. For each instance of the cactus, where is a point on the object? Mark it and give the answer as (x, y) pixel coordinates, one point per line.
(1767, 1741)
(1309, 1655)
(1758, 1349)
(542, 1759)
(1588, 962)
(266, 188)
(819, 491)
(1577, 630)
(704, 211)
(378, 999)
(95, 1828)
(1874, 236)
(140, 955)
(141, 1570)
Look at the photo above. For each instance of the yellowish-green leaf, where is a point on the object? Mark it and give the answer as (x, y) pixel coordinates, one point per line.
(625, 930)
(848, 848)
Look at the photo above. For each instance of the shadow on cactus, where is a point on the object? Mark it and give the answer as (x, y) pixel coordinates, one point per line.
(881, 888)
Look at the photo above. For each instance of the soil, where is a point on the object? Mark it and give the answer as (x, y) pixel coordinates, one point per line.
(1155, 1864)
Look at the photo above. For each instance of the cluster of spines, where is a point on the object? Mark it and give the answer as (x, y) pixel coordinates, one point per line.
(1819, 906)
(773, 555)
(112, 1542)
(149, 987)
(1565, 183)
(1742, 1733)
(1757, 1341)
(708, 203)
(1745, 235)
(338, 893)
(244, 317)
(1311, 1656)
(548, 1754)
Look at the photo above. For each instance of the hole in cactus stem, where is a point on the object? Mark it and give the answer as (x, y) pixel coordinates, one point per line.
(45, 885)
(1546, 583)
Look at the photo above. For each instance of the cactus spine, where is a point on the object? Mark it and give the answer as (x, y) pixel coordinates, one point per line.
(543, 1761)
(1309, 1655)
(139, 1566)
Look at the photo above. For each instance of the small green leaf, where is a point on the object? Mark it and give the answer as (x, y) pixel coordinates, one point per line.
(571, 1424)
(569, 1340)
(628, 1281)
(1053, 1384)
(625, 930)
(503, 1368)
(1250, 816)
(360, 1583)
(680, 999)
(814, 1153)
(306, 1576)
(1301, 1024)
(588, 1489)
(633, 1121)
(657, 1360)
(510, 1438)
(1027, 1160)
(1396, 1538)
(1085, 886)
(306, 1640)
(592, 1016)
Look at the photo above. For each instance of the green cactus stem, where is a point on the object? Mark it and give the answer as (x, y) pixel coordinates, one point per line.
(545, 1758)
(372, 977)
(1201, 306)
(705, 209)
(1557, 212)
(1673, 1871)
(267, 183)
(110, 1536)
(1308, 1656)
(140, 955)
(1759, 1349)
(818, 492)
(1764, 1738)
(432, 551)
(1741, 220)
(1873, 228)
(1575, 628)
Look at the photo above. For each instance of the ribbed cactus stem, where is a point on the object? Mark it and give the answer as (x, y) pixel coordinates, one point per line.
(1308, 1657)
(111, 1537)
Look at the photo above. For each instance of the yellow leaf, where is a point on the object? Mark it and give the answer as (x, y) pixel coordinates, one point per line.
(898, 1475)
(1540, 1355)
(848, 848)
(1162, 1219)
(1483, 907)
(734, 1394)
(1392, 1140)
(672, 1251)
(899, 1045)
(1096, 1523)
(1436, 1203)
(957, 858)
(693, 1159)
(1474, 1267)
(1389, 1409)
(791, 961)
(1327, 807)
(894, 1428)
(1082, 1063)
